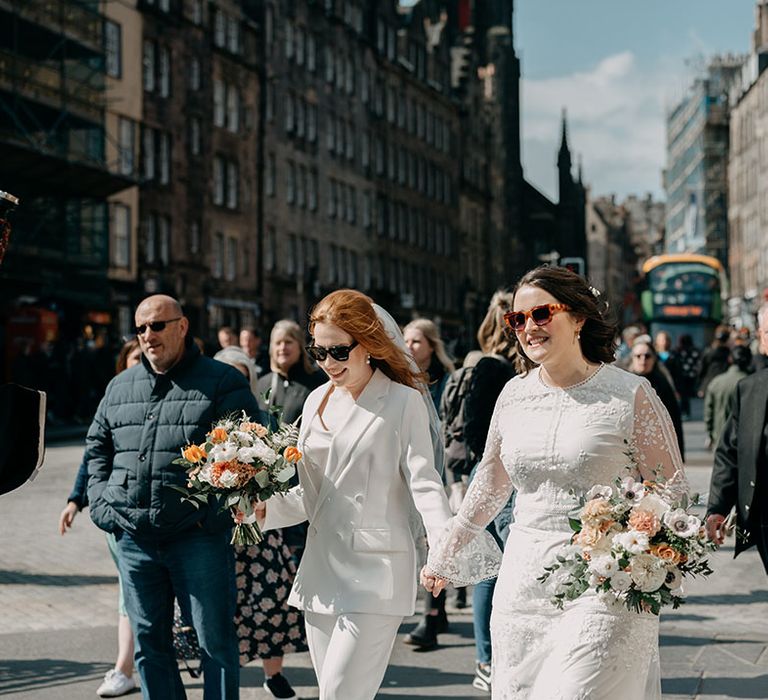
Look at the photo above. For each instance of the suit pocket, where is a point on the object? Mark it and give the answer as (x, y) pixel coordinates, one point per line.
(380, 540)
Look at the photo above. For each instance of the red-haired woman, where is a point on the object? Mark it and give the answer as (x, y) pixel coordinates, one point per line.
(367, 458)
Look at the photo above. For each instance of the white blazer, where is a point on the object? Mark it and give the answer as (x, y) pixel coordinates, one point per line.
(360, 555)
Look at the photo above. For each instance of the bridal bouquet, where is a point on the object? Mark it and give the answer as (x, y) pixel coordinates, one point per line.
(241, 461)
(634, 541)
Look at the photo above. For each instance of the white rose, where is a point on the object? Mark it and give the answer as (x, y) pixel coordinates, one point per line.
(604, 566)
(648, 573)
(621, 581)
(632, 541)
(205, 474)
(594, 580)
(228, 479)
(242, 437)
(652, 503)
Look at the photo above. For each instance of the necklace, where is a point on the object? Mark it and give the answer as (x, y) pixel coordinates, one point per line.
(570, 386)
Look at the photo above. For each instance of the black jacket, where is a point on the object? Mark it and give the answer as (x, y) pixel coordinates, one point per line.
(667, 395)
(142, 423)
(737, 460)
(290, 392)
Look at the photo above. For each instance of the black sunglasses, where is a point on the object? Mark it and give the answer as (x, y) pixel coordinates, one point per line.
(340, 353)
(155, 326)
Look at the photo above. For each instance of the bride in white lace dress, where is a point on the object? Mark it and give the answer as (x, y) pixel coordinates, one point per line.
(558, 429)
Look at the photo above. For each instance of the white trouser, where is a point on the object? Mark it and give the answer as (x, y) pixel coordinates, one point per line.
(350, 652)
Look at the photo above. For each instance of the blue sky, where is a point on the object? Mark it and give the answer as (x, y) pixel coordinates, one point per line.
(616, 65)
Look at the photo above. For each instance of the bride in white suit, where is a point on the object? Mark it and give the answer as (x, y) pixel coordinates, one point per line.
(367, 460)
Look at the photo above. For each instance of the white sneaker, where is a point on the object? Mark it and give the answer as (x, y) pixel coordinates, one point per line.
(115, 683)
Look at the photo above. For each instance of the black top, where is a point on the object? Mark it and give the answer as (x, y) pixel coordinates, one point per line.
(713, 362)
(667, 395)
(274, 390)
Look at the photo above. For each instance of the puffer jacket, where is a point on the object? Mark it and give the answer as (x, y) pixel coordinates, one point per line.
(140, 426)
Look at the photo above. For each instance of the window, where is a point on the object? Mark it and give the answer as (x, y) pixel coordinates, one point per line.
(328, 64)
(365, 148)
(217, 267)
(349, 77)
(127, 145)
(148, 152)
(367, 210)
(312, 191)
(164, 68)
(194, 237)
(270, 249)
(197, 12)
(195, 145)
(269, 25)
(269, 102)
(164, 236)
(390, 105)
(379, 147)
(312, 123)
(339, 72)
(290, 183)
(233, 184)
(148, 65)
(365, 86)
(218, 180)
(299, 46)
(401, 111)
(121, 236)
(219, 30)
(350, 141)
(289, 41)
(301, 187)
(332, 195)
(233, 109)
(290, 259)
(113, 49)
(311, 53)
(231, 268)
(219, 103)
(233, 35)
(301, 117)
(289, 115)
(271, 178)
(330, 135)
(194, 74)
(165, 158)
(151, 241)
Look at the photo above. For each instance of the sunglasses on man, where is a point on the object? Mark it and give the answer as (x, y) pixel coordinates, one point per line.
(340, 353)
(155, 326)
(540, 315)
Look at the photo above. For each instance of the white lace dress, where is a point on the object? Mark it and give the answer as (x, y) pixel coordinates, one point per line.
(546, 442)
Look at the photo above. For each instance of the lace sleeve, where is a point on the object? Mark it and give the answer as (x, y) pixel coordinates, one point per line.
(654, 442)
(467, 553)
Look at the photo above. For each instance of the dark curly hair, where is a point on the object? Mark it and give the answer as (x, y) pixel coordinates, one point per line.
(598, 335)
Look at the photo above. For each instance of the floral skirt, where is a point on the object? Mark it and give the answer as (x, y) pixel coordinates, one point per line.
(266, 626)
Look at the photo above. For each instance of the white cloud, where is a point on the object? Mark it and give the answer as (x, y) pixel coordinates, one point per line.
(616, 120)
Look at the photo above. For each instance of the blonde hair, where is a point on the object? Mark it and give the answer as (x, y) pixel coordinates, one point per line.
(432, 334)
(353, 312)
(293, 331)
(492, 335)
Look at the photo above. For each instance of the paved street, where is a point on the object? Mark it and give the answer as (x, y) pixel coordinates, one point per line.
(59, 595)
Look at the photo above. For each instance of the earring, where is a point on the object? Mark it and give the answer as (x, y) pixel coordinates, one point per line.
(368, 359)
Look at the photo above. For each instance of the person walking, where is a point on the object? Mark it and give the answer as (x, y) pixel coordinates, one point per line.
(739, 474)
(559, 428)
(118, 680)
(428, 350)
(166, 546)
(683, 365)
(721, 390)
(368, 458)
(714, 361)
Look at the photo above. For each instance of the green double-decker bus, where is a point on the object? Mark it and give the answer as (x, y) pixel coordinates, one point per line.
(682, 293)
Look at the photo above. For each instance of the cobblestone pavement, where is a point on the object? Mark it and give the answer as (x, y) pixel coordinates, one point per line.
(59, 595)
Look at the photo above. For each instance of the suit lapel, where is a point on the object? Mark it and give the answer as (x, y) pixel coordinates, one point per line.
(756, 407)
(347, 436)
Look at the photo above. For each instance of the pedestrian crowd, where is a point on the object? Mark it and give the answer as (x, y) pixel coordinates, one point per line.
(401, 447)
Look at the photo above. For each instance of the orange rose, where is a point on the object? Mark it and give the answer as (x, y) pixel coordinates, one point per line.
(666, 553)
(291, 454)
(218, 435)
(256, 428)
(644, 521)
(193, 454)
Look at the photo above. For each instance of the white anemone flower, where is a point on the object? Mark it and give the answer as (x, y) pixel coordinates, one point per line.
(682, 524)
(631, 490)
(621, 581)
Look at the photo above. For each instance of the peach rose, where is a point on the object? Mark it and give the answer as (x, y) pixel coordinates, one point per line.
(291, 454)
(257, 428)
(666, 553)
(218, 435)
(595, 511)
(588, 537)
(644, 521)
(193, 454)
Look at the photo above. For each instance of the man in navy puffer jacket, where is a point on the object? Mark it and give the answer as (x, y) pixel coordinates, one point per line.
(167, 547)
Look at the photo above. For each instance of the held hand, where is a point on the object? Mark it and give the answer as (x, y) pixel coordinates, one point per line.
(715, 528)
(433, 583)
(67, 517)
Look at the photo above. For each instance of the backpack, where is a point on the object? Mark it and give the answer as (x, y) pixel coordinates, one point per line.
(452, 416)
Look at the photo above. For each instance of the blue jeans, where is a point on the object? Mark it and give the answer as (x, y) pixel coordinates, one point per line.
(198, 569)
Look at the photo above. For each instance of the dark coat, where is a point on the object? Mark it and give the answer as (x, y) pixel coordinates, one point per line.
(737, 460)
(666, 393)
(713, 362)
(290, 392)
(141, 425)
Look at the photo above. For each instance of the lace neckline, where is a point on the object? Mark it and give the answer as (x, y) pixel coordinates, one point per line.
(584, 381)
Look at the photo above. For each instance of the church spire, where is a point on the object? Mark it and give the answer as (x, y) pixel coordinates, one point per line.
(564, 155)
